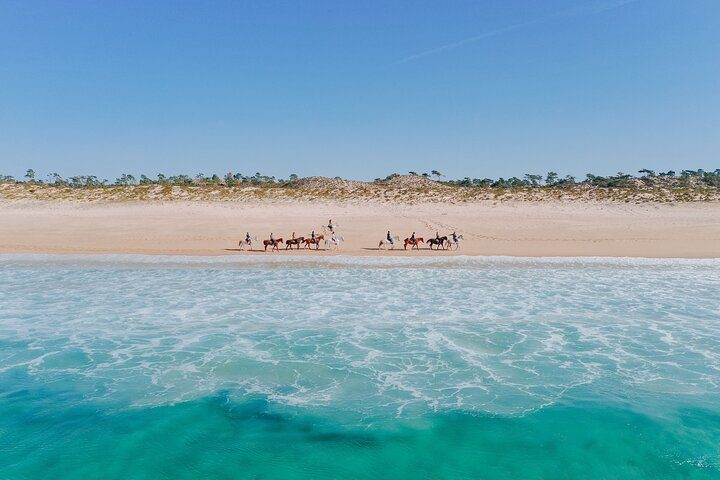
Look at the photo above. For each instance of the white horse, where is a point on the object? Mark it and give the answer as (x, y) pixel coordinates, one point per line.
(385, 242)
(335, 241)
(454, 245)
(244, 243)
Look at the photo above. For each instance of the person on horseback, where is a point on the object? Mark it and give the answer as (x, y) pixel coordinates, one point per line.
(272, 239)
(293, 235)
(247, 238)
(412, 238)
(330, 226)
(389, 238)
(437, 235)
(454, 237)
(312, 236)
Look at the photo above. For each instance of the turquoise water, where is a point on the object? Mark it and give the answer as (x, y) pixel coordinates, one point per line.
(148, 367)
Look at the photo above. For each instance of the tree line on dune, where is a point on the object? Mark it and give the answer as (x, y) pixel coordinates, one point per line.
(645, 177)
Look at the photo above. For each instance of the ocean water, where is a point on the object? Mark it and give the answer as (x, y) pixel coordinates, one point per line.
(312, 368)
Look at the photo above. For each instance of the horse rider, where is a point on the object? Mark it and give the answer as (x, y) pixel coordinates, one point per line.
(272, 239)
(247, 238)
(312, 236)
(437, 235)
(389, 238)
(330, 226)
(293, 235)
(412, 238)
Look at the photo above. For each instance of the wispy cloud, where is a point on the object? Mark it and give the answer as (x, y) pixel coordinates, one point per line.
(569, 13)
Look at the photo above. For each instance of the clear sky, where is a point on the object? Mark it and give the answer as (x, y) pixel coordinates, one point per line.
(359, 89)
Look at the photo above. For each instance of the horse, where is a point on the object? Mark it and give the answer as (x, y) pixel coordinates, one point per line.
(452, 243)
(316, 242)
(294, 241)
(273, 243)
(440, 242)
(413, 243)
(385, 242)
(244, 243)
(336, 242)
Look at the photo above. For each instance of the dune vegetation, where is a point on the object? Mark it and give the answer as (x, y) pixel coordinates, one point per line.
(645, 186)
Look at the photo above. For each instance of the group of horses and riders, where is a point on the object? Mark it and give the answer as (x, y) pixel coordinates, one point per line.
(445, 242)
(313, 239)
(331, 239)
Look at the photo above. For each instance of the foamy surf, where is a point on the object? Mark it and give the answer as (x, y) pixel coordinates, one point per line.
(378, 337)
(380, 261)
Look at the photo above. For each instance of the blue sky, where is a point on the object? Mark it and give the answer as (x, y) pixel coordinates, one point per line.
(358, 88)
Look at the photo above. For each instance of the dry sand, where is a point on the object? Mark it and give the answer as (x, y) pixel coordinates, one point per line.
(490, 228)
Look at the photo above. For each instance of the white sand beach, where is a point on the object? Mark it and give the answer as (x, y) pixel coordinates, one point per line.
(547, 228)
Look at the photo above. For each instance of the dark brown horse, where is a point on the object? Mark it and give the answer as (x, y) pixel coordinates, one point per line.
(413, 243)
(439, 241)
(316, 242)
(274, 243)
(294, 241)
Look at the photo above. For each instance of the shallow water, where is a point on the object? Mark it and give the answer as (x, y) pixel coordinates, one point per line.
(152, 367)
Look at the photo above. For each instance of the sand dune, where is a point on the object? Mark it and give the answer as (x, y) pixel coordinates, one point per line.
(490, 228)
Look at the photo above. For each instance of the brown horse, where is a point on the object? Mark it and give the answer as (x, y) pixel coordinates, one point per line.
(294, 241)
(413, 244)
(273, 243)
(316, 242)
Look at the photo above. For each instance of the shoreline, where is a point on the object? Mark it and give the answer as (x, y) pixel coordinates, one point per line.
(491, 229)
(347, 261)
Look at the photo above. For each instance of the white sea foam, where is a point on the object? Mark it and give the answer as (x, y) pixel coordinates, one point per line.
(376, 337)
(289, 260)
